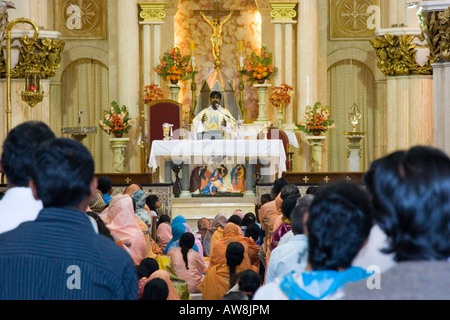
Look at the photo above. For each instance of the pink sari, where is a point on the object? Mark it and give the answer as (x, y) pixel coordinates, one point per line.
(194, 275)
(164, 234)
(120, 220)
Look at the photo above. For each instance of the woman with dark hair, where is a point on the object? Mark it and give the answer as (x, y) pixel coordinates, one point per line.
(155, 290)
(249, 281)
(217, 281)
(338, 224)
(153, 203)
(187, 263)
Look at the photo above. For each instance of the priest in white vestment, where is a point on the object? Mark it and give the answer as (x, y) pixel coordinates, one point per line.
(215, 119)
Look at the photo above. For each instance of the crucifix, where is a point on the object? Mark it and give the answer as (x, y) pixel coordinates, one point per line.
(216, 25)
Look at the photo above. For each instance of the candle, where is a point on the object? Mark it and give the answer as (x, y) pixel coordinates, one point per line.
(241, 46)
(192, 47)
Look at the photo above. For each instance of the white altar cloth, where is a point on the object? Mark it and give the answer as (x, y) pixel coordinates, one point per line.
(270, 153)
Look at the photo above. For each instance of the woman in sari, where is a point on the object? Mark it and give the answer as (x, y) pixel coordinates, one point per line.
(164, 231)
(120, 219)
(219, 279)
(211, 236)
(203, 225)
(187, 263)
(233, 233)
(139, 205)
(163, 274)
(180, 226)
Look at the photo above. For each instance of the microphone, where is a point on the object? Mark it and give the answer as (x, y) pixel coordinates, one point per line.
(226, 115)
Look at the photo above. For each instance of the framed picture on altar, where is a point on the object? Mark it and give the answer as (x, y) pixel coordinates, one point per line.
(81, 19)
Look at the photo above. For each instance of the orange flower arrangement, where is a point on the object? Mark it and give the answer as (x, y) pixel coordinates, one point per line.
(259, 68)
(116, 120)
(281, 96)
(317, 120)
(174, 66)
(152, 93)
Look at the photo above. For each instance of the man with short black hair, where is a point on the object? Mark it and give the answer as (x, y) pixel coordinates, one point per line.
(59, 256)
(337, 225)
(215, 118)
(18, 204)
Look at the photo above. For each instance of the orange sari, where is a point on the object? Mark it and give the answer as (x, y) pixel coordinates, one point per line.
(163, 274)
(233, 233)
(217, 281)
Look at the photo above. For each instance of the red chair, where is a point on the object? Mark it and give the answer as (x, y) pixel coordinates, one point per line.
(164, 111)
(275, 133)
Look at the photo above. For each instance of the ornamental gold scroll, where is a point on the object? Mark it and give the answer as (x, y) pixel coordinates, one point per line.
(43, 55)
(435, 27)
(397, 55)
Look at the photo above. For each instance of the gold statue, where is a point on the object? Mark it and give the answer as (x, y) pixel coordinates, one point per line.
(216, 39)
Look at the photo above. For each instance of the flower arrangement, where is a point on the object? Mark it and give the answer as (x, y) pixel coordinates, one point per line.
(259, 68)
(152, 93)
(174, 66)
(317, 120)
(116, 120)
(281, 96)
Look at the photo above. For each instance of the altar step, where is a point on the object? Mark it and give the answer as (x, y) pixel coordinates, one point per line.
(196, 208)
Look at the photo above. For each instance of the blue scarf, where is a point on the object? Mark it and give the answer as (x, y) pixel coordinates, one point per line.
(319, 284)
(178, 229)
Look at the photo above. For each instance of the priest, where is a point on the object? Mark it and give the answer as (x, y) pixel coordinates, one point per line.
(215, 121)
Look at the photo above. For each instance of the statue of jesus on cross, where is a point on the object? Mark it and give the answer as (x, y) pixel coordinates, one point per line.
(216, 37)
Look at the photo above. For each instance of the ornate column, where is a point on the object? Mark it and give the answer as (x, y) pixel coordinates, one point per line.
(308, 67)
(403, 58)
(261, 89)
(307, 55)
(153, 16)
(435, 25)
(119, 146)
(128, 68)
(316, 154)
(283, 14)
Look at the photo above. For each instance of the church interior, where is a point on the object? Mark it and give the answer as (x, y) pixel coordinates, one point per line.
(370, 62)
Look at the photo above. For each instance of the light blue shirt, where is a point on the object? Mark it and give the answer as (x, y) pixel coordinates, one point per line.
(290, 256)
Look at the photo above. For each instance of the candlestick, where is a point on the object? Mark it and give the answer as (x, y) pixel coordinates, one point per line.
(241, 45)
(192, 47)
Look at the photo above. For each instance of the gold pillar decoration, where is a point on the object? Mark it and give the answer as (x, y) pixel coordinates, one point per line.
(153, 12)
(8, 63)
(396, 55)
(283, 11)
(435, 27)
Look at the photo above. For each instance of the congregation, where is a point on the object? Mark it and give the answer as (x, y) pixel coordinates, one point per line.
(65, 235)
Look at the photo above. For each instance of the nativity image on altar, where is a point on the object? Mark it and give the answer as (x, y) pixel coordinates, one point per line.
(218, 182)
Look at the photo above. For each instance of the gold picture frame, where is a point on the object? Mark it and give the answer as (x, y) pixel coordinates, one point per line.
(81, 19)
(348, 19)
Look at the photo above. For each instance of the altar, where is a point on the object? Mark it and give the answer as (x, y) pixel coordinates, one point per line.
(268, 156)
